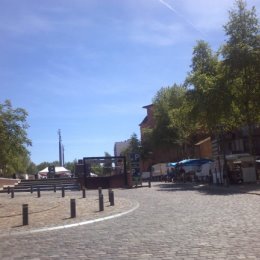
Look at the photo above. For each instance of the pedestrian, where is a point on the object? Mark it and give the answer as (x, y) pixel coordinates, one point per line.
(182, 172)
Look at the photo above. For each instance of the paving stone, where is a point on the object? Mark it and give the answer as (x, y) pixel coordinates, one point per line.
(173, 221)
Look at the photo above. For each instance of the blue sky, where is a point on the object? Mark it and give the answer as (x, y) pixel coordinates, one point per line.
(88, 67)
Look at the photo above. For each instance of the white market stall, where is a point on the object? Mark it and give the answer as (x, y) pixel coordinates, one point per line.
(60, 172)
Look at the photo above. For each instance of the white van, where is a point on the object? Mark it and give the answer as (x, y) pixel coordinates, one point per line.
(159, 170)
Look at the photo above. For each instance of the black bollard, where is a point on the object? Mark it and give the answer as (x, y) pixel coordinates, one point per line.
(8, 190)
(25, 214)
(72, 208)
(112, 201)
(12, 193)
(83, 192)
(101, 202)
(31, 189)
(54, 188)
(99, 190)
(149, 183)
(109, 195)
(38, 192)
(62, 192)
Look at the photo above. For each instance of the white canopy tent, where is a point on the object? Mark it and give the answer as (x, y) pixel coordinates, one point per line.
(60, 171)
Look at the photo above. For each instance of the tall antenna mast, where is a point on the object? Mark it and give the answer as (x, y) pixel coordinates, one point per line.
(60, 149)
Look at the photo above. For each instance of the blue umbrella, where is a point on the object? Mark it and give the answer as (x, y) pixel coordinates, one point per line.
(194, 162)
(172, 164)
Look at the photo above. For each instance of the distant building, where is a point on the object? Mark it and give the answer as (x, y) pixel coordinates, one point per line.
(148, 121)
(119, 147)
(158, 155)
(162, 154)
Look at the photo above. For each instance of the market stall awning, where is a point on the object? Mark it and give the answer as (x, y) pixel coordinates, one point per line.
(194, 162)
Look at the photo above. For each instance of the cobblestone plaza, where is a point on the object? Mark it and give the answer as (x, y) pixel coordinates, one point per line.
(166, 221)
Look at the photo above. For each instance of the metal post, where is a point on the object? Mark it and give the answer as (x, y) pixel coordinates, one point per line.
(109, 195)
(12, 193)
(72, 208)
(25, 214)
(99, 190)
(38, 192)
(112, 201)
(101, 202)
(62, 192)
(149, 183)
(83, 192)
(31, 189)
(225, 173)
(125, 172)
(54, 188)
(8, 189)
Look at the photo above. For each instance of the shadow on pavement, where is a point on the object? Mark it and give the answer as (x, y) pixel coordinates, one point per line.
(209, 189)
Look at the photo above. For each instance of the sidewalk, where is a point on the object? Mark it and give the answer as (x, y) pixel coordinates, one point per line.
(247, 188)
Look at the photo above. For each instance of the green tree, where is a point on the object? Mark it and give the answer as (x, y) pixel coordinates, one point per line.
(163, 134)
(43, 165)
(134, 147)
(241, 60)
(207, 96)
(147, 144)
(167, 108)
(97, 168)
(13, 138)
(107, 165)
(71, 166)
(31, 168)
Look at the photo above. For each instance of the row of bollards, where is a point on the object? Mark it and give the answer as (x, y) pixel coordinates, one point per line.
(11, 190)
(25, 211)
(25, 207)
(101, 198)
(111, 197)
(110, 192)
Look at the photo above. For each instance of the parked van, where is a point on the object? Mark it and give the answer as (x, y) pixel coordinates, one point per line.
(159, 171)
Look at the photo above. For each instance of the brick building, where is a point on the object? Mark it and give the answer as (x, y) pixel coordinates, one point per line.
(158, 155)
(211, 147)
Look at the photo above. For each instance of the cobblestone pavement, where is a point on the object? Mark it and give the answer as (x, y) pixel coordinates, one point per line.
(173, 221)
(52, 210)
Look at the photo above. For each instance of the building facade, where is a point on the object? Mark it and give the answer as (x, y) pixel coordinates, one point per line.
(120, 147)
(154, 155)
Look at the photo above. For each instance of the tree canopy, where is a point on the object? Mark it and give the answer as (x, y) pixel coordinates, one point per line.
(221, 90)
(241, 63)
(13, 139)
